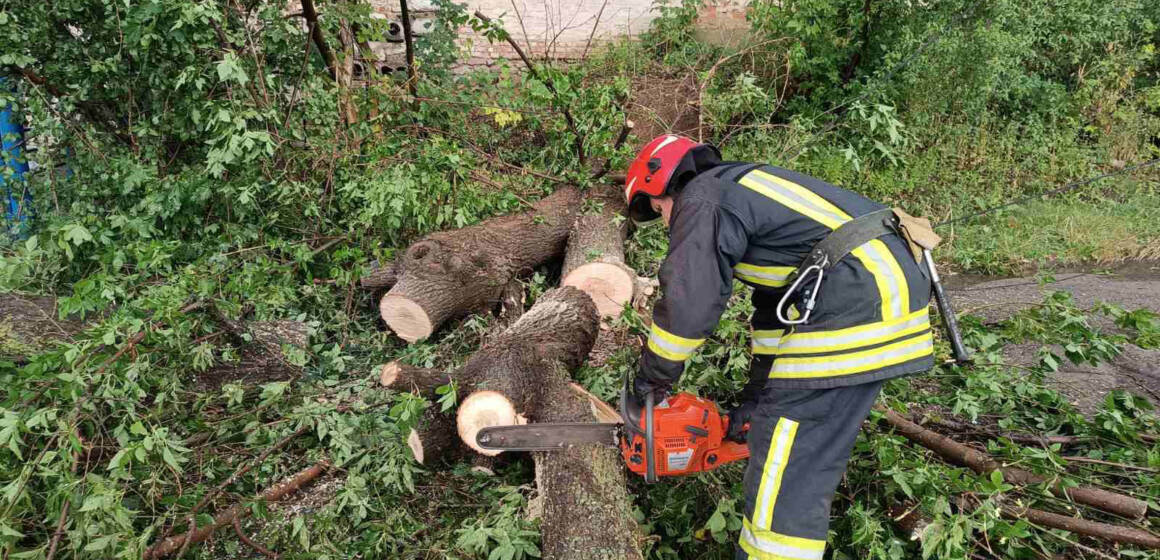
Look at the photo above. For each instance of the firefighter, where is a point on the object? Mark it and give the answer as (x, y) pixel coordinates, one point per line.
(840, 307)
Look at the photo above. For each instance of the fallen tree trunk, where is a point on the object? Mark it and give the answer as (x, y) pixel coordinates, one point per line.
(237, 511)
(594, 258)
(959, 454)
(451, 273)
(505, 378)
(523, 375)
(29, 324)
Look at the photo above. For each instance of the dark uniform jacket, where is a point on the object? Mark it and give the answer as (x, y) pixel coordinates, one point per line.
(756, 223)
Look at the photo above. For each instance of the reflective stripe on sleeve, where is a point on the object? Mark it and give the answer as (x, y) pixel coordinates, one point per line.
(768, 545)
(853, 362)
(767, 342)
(775, 462)
(773, 276)
(854, 337)
(670, 346)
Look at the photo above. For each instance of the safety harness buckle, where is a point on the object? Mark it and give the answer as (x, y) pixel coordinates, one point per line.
(829, 251)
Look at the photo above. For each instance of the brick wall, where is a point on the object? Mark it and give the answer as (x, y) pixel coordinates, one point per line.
(563, 29)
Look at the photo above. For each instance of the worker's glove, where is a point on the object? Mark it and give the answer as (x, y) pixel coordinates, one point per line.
(743, 414)
(739, 419)
(632, 405)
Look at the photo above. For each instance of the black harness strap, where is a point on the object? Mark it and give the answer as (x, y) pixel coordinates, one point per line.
(850, 236)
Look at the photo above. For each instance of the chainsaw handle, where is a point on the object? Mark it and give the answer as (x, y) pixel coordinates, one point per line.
(650, 473)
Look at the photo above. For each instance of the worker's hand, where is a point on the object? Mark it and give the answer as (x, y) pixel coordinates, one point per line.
(739, 419)
(632, 406)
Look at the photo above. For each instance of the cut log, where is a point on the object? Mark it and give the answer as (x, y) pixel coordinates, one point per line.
(506, 376)
(433, 439)
(452, 273)
(523, 374)
(380, 277)
(594, 258)
(1106, 531)
(959, 454)
(421, 381)
(29, 324)
(587, 512)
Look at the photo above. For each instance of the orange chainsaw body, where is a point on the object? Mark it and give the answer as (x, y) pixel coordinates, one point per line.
(688, 437)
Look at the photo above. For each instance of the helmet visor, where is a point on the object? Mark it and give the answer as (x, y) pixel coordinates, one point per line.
(640, 210)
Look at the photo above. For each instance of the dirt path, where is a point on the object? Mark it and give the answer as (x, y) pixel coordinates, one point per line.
(1136, 370)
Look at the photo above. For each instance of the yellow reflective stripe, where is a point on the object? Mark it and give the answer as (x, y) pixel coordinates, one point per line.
(766, 342)
(768, 545)
(771, 476)
(853, 362)
(854, 337)
(670, 346)
(774, 187)
(773, 276)
(874, 256)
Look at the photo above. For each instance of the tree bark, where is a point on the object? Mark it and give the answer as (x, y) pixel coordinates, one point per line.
(380, 277)
(433, 439)
(522, 376)
(594, 258)
(422, 381)
(29, 325)
(959, 454)
(1106, 531)
(587, 512)
(449, 274)
(506, 378)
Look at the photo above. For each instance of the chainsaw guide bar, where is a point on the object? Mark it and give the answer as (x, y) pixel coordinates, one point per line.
(547, 437)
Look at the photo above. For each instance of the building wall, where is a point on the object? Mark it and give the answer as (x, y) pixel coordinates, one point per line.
(565, 29)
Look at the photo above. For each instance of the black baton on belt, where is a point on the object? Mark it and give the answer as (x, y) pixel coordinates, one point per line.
(947, 312)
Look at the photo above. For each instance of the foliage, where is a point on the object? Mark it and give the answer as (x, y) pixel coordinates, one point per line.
(198, 160)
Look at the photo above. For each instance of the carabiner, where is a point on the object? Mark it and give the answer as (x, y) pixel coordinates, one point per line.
(820, 268)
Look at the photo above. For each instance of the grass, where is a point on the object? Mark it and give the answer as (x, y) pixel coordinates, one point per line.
(1058, 233)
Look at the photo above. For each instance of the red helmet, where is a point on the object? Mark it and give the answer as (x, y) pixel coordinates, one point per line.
(649, 173)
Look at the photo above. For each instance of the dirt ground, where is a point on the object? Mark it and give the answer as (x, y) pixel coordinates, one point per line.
(1134, 287)
(660, 105)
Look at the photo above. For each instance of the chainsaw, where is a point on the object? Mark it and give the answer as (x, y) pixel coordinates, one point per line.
(685, 434)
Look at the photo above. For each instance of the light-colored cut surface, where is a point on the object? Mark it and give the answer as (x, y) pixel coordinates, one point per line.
(609, 286)
(405, 317)
(483, 409)
(416, 445)
(388, 374)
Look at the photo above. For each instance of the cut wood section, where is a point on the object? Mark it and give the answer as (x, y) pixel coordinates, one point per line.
(523, 373)
(421, 381)
(506, 376)
(594, 259)
(959, 454)
(452, 273)
(433, 438)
